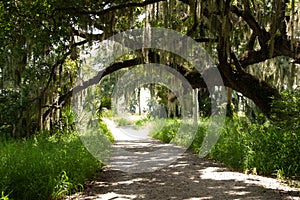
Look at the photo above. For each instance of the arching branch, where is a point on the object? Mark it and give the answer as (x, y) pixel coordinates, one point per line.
(263, 35)
(102, 11)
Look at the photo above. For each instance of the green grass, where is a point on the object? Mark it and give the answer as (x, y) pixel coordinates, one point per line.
(123, 122)
(141, 123)
(264, 148)
(45, 166)
(165, 129)
(107, 113)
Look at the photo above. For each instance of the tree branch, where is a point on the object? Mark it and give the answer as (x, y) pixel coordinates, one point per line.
(250, 45)
(282, 47)
(263, 35)
(110, 9)
(236, 62)
(60, 62)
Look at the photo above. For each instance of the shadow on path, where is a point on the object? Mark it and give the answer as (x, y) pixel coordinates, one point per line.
(188, 178)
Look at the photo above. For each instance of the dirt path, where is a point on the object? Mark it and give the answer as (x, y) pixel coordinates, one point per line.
(188, 178)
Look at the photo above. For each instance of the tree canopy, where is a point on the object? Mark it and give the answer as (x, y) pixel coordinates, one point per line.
(41, 41)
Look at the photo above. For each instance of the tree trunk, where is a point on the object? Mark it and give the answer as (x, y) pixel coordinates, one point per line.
(196, 105)
(139, 100)
(291, 80)
(260, 92)
(229, 108)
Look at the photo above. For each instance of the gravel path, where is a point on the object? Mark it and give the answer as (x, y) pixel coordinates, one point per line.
(188, 178)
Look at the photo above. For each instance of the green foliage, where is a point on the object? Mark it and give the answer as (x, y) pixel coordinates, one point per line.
(68, 119)
(106, 102)
(105, 90)
(141, 122)
(4, 197)
(66, 122)
(63, 186)
(198, 139)
(105, 130)
(261, 147)
(123, 122)
(107, 114)
(230, 148)
(9, 103)
(45, 166)
(286, 110)
(165, 130)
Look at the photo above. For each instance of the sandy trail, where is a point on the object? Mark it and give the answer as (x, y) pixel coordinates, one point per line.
(187, 178)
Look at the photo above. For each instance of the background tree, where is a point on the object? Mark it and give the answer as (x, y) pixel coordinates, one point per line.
(41, 41)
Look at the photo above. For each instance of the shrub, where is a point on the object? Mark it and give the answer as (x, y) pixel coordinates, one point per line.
(285, 111)
(165, 130)
(123, 122)
(45, 166)
(141, 122)
(230, 148)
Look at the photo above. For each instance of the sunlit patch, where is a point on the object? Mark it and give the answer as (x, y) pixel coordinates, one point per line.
(199, 198)
(177, 173)
(238, 193)
(239, 187)
(179, 165)
(116, 196)
(217, 173)
(131, 181)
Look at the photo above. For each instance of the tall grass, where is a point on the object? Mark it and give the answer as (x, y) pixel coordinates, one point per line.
(123, 122)
(45, 166)
(165, 129)
(263, 148)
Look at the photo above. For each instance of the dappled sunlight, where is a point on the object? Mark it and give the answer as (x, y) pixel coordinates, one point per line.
(238, 193)
(132, 181)
(222, 174)
(113, 195)
(145, 169)
(188, 178)
(118, 196)
(199, 198)
(136, 152)
(177, 173)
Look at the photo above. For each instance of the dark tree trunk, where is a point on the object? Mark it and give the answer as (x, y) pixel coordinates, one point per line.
(261, 93)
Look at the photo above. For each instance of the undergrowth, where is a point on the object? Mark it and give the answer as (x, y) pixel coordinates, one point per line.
(141, 123)
(44, 166)
(123, 122)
